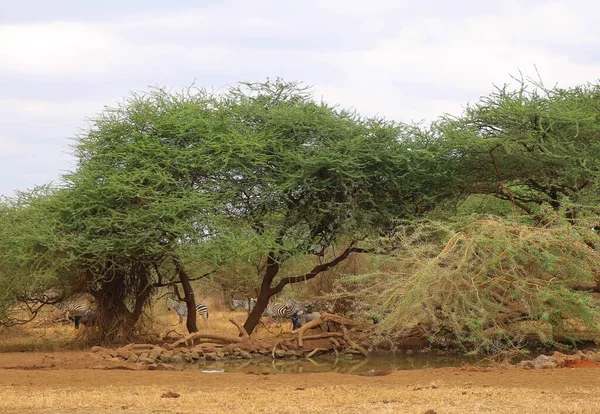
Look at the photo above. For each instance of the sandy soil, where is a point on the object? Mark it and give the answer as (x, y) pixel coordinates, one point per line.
(64, 383)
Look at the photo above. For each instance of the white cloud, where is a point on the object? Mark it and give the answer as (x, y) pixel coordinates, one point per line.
(401, 59)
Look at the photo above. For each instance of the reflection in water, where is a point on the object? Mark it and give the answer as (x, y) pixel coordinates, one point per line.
(377, 362)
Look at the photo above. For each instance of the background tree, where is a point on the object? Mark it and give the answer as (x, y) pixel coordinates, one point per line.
(530, 145)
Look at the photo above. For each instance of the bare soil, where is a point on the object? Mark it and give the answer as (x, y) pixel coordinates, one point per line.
(64, 382)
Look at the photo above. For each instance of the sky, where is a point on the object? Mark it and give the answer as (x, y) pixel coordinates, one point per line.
(62, 62)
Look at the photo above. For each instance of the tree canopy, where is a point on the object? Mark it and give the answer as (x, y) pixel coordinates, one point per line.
(173, 186)
(531, 144)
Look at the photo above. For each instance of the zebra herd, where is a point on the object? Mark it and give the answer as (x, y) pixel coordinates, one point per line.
(79, 309)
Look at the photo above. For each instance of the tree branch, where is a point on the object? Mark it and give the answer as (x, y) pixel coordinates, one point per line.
(175, 282)
(318, 269)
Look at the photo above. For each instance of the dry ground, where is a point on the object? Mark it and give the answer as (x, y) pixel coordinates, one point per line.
(448, 390)
(68, 385)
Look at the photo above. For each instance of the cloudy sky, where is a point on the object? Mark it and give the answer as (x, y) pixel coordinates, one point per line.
(61, 61)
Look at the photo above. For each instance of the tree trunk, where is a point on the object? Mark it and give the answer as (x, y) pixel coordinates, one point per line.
(265, 294)
(256, 313)
(144, 293)
(272, 268)
(190, 300)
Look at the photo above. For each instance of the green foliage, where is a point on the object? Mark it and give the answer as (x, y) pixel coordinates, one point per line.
(197, 180)
(532, 144)
(26, 238)
(263, 178)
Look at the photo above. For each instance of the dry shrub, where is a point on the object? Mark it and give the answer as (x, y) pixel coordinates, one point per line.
(487, 285)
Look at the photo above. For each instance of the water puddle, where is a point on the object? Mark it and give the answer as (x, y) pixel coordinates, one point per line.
(377, 364)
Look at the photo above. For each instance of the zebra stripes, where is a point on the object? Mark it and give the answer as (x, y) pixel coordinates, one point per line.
(73, 308)
(244, 304)
(276, 310)
(283, 310)
(293, 307)
(181, 309)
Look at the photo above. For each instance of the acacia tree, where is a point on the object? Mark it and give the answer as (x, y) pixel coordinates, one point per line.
(119, 225)
(531, 145)
(262, 171)
(306, 178)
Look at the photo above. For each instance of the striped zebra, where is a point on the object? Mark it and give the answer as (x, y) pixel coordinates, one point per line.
(72, 308)
(278, 311)
(244, 304)
(181, 309)
(293, 307)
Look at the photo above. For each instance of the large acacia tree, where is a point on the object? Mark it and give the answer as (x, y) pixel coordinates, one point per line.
(262, 171)
(306, 178)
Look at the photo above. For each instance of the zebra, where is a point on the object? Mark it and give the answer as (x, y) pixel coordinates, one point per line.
(181, 309)
(293, 307)
(244, 304)
(282, 310)
(72, 308)
(276, 310)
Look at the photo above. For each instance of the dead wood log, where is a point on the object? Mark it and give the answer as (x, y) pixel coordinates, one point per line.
(240, 327)
(300, 331)
(324, 335)
(316, 351)
(206, 335)
(338, 319)
(352, 343)
(325, 317)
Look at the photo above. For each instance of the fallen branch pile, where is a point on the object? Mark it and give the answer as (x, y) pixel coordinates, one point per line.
(338, 341)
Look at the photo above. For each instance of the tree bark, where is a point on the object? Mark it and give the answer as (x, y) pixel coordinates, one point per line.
(189, 298)
(145, 290)
(272, 268)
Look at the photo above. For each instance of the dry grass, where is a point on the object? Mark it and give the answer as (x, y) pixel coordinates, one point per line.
(321, 393)
(38, 337)
(44, 335)
(165, 320)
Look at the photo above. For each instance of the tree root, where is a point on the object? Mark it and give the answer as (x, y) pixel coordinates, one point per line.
(316, 351)
(343, 322)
